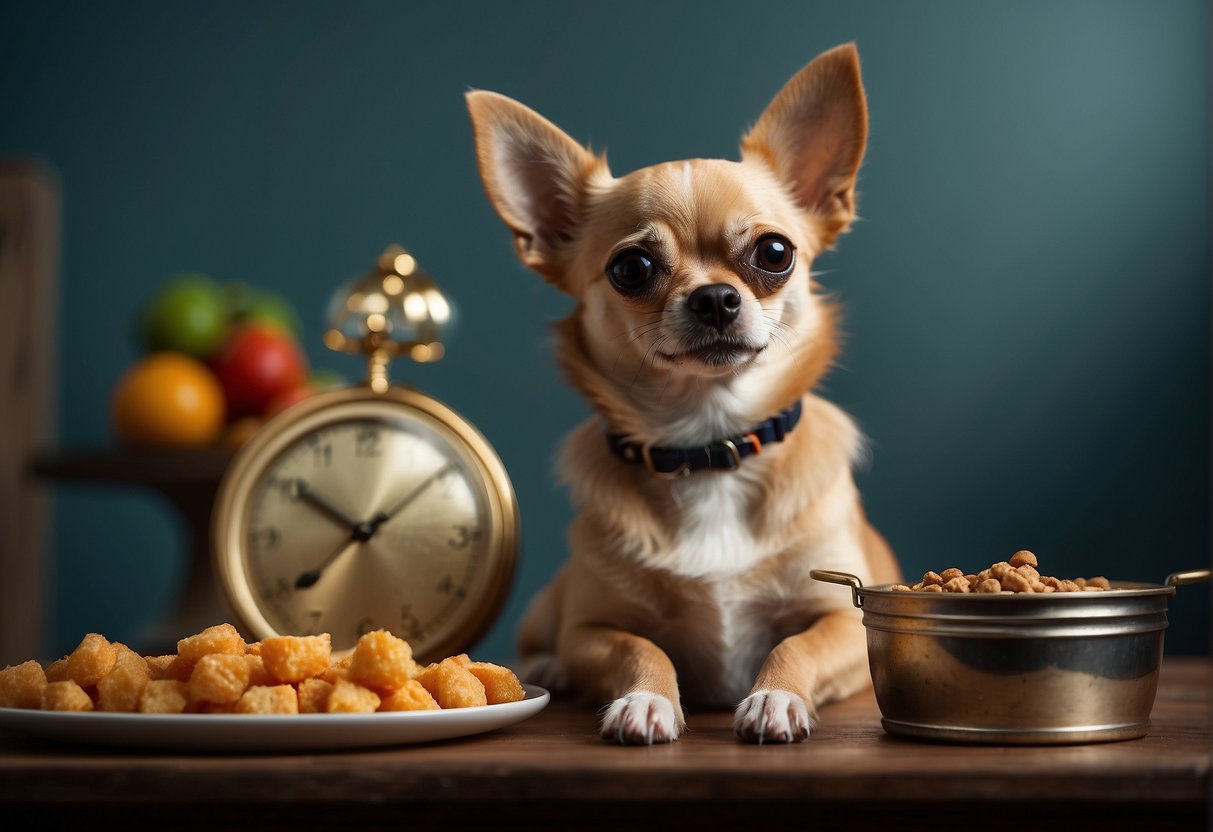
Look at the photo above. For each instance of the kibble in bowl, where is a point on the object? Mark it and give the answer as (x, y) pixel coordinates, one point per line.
(1020, 573)
(1009, 655)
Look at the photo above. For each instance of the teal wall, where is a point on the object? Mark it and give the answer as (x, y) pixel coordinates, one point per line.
(1026, 299)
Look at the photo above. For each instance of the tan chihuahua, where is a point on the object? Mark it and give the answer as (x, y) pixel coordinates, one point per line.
(712, 480)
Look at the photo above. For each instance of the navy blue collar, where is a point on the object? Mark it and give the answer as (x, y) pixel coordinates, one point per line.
(724, 455)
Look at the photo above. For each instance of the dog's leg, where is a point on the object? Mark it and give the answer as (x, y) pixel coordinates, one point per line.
(825, 662)
(635, 673)
(537, 633)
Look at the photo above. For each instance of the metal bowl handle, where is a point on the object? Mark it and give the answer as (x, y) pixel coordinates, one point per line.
(844, 578)
(1192, 576)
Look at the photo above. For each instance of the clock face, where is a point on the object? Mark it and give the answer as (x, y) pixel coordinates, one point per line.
(369, 513)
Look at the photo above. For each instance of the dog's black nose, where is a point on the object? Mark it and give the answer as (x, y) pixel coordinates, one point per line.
(717, 304)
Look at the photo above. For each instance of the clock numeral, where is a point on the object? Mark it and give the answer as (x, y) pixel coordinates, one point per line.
(447, 585)
(288, 487)
(313, 627)
(365, 626)
(464, 536)
(366, 441)
(410, 624)
(266, 538)
(280, 590)
(322, 455)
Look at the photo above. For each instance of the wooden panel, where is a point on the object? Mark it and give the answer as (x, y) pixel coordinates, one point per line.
(29, 278)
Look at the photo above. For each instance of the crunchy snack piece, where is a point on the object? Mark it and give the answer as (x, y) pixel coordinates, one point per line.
(1024, 557)
(382, 661)
(93, 658)
(65, 696)
(56, 671)
(452, 685)
(157, 666)
(295, 658)
(219, 678)
(351, 698)
(957, 584)
(339, 669)
(268, 699)
(164, 696)
(412, 697)
(900, 588)
(22, 685)
(1014, 582)
(257, 674)
(222, 638)
(500, 683)
(119, 690)
(217, 672)
(314, 696)
(1019, 574)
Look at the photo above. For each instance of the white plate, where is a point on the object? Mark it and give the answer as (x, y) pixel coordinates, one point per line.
(285, 732)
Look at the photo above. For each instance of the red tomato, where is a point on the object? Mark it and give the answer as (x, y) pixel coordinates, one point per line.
(290, 397)
(256, 365)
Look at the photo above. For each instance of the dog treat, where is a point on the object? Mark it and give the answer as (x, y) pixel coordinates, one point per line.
(295, 658)
(164, 696)
(412, 697)
(120, 689)
(382, 661)
(21, 686)
(217, 672)
(1018, 574)
(268, 699)
(351, 698)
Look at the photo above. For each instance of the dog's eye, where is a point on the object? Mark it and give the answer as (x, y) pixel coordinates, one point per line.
(631, 270)
(773, 254)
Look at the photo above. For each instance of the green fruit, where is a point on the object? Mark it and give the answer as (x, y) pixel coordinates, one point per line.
(258, 306)
(327, 380)
(189, 313)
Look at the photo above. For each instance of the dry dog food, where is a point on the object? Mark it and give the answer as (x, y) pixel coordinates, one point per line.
(216, 671)
(1019, 574)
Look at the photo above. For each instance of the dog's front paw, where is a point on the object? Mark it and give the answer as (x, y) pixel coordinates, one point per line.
(773, 716)
(640, 718)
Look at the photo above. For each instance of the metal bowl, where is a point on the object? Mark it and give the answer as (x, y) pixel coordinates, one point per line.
(1022, 669)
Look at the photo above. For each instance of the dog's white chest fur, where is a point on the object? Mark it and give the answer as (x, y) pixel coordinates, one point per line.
(713, 536)
(722, 634)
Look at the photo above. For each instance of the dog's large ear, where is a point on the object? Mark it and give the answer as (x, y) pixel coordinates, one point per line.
(813, 136)
(535, 176)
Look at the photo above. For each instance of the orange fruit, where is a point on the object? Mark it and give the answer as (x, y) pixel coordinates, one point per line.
(168, 399)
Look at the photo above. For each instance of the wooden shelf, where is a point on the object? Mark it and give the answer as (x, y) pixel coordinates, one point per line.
(189, 480)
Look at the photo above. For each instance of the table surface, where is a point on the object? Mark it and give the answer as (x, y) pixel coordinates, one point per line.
(534, 774)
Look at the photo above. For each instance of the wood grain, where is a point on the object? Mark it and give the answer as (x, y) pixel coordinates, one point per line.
(29, 277)
(553, 772)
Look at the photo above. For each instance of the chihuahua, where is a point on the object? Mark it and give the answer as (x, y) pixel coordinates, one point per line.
(711, 480)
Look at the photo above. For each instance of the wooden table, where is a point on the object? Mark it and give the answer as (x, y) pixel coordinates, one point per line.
(552, 772)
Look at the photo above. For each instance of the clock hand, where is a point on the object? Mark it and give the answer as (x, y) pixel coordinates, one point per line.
(306, 492)
(384, 516)
(310, 577)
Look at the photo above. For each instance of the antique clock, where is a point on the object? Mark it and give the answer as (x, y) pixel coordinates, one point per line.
(374, 506)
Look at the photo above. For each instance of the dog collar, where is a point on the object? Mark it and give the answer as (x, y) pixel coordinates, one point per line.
(724, 455)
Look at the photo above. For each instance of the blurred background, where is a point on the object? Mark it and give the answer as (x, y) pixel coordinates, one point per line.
(1026, 299)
